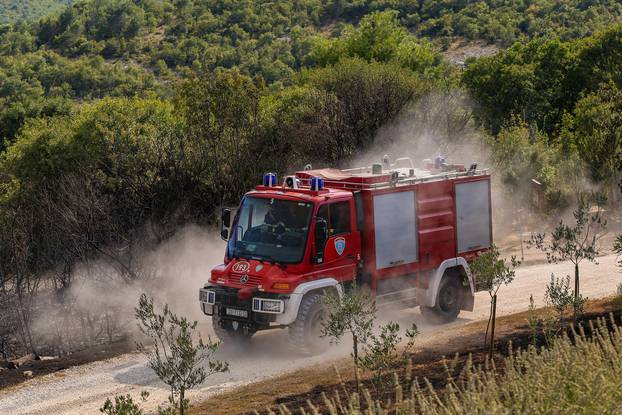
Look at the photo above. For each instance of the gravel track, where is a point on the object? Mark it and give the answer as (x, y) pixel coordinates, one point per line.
(83, 389)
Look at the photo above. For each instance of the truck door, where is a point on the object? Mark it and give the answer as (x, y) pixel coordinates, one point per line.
(342, 247)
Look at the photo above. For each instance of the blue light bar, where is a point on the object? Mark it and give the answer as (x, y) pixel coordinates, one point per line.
(317, 183)
(269, 179)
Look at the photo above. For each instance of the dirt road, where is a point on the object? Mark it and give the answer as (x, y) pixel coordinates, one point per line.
(82, 390)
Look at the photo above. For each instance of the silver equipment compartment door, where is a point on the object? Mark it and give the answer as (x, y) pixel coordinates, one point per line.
(473, 215)
(395, 224)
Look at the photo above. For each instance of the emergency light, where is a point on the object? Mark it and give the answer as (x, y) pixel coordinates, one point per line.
(439, 161)
(317, 183)
(269, 179)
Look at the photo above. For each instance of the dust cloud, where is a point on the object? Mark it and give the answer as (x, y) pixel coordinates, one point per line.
(98, 305)
(181, 265)
(443, 124)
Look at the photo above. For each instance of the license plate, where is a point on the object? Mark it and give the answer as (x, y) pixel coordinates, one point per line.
(237, 313)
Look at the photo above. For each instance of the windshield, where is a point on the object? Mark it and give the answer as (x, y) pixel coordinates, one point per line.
(270, 229)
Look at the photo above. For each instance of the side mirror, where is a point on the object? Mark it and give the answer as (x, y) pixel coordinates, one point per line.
(225, 223)
(225, 217)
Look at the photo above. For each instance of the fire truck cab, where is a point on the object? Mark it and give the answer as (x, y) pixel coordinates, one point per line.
(407, 234)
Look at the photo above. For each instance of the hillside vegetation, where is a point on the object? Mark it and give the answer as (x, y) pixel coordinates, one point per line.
(19, 10)
(122, 120)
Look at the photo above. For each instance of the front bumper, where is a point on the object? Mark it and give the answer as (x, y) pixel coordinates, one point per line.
(260, 311)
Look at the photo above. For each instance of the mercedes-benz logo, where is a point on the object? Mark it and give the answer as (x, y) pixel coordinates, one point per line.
(243, 279)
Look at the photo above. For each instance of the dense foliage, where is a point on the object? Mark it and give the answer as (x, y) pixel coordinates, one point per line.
(567, 93)
(17, 10)
(172, 38)
(121, 119)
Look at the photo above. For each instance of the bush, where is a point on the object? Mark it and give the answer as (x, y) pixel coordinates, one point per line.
(123, 405)
(560, 296)
(381, 354)
(177, 353)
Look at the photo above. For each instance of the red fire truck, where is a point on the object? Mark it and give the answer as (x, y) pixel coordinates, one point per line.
(406, 233)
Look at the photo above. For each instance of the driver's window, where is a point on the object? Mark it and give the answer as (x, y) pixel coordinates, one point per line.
(337, 217)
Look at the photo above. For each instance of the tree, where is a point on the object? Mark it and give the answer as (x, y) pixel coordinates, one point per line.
(381, 350)
(175, 356)
(378, 37)
(367, 96)
(492, 272)
(577, 242)
(596, 131)
(224, 120)
(521, 154)
(352, 313)
(559, 295)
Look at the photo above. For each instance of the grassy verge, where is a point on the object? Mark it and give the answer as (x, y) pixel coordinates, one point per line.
(577, 374)
(318, 385)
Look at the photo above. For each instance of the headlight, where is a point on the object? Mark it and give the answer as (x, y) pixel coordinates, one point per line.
(267, 305)
(207, 296)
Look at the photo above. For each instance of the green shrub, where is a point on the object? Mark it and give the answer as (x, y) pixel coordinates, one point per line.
(177, 354)
(123, 405)
(381, 350)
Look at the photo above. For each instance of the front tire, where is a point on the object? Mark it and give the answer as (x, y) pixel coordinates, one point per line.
(230, 332)
(305, 333)
(448, 302)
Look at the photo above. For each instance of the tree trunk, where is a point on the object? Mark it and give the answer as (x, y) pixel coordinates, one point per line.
(24, 318)
(182, 393)
(492, 328)
(355, 350)
(576, 293)
(108, 327)
(576, 281)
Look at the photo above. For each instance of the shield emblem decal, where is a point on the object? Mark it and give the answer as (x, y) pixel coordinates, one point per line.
(340, 245)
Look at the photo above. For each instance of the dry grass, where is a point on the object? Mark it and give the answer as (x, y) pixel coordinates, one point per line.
(577, 374)
(295, 388)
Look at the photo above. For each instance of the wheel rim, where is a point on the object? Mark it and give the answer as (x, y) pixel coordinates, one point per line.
(448, 297)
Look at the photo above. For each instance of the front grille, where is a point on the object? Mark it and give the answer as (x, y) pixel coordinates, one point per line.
(253, 281)
(230, 298)
(227, 297)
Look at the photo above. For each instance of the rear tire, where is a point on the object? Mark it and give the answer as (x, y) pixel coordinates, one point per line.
(230, 332)
(305, 333)
(448, 302)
